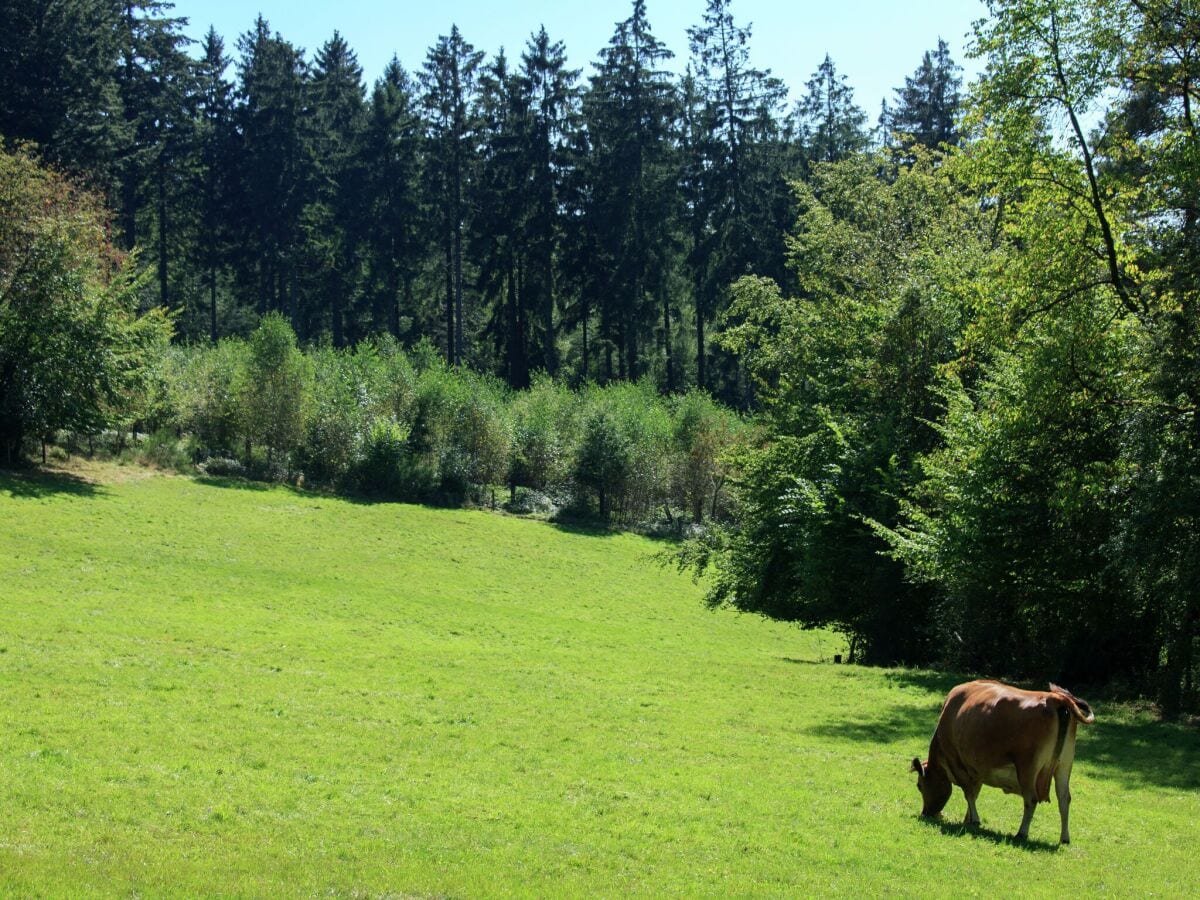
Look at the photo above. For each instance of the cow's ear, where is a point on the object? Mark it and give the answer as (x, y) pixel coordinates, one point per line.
(917, 767)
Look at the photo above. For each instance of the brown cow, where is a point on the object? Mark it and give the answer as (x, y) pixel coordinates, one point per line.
(991, 733)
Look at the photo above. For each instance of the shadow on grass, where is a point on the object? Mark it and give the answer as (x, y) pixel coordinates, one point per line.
(1135, 750)
(35, 484)
(980, 833)
(900, 723)
(1142, 753)
(241, 484)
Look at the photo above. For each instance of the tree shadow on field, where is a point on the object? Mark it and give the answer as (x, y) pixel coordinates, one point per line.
(980, 833)
(584, 528)
(887, 726)
(1141, 753)
(241, 484)
(35, 484)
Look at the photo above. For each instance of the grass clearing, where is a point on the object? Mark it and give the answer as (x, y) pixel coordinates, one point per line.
(225, 689)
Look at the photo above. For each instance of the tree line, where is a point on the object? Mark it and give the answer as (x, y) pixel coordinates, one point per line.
(980, 380)
(83, 371)
(522, 216)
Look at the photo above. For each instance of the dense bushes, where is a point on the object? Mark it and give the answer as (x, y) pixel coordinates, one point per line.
(383, 423)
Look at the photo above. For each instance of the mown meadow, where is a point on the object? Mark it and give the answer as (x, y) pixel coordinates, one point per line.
(209, 687)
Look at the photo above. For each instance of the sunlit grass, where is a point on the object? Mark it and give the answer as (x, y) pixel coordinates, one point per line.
(219, 689)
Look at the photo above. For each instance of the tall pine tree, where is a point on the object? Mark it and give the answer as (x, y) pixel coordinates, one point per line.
(449, 81)
(927, 106)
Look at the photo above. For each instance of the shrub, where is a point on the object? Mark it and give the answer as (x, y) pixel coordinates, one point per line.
(273, 390)
(702, 431)
(603, 459)
(542, 423)
(383, 470)
(206, 391)
(335, 418)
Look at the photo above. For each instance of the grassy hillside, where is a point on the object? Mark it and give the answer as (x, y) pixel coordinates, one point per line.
(209, 688)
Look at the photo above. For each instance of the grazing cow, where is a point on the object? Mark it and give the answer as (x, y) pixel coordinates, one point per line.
(991, 733)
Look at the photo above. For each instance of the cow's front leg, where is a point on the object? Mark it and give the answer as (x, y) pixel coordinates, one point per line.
(971, 792)
(1062, 788)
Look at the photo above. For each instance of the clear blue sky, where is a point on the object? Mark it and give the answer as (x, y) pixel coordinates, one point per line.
(875, 43)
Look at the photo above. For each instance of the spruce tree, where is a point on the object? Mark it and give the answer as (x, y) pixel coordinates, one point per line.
(927, 106)
(333, 221)
(829, 124)
(744, 170)
(449, 81)
(549, 85)
(275, 171)
(392, 148)
(630, 112)
(211, 169)
(502, 206)
(58, 84)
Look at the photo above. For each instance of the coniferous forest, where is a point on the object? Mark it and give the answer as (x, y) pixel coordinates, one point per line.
(518, 213)
(962, 341)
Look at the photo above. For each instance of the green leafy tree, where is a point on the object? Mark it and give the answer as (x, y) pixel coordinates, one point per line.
(846, 373)
(1096, 313)
(73, 351)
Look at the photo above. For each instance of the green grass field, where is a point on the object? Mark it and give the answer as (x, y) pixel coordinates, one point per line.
(225, 690)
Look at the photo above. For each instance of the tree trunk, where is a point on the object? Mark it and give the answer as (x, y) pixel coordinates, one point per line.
(449, 302)
(163, 299)
(335, 315)
(666, 311)
(458, 274)
(212, 303)
(551, 351)
(584, 319)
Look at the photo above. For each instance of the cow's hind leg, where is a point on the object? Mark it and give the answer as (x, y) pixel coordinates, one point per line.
(971, 792)
(1027, 779)
(1062, 788)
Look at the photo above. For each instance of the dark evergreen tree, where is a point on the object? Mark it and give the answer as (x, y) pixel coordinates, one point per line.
(211, 169)
(745, 166)
(549, 86)
(333, 222)
(58, 86)
(927, 106)
(392, 146)
(502, 207)
(449, 80)
(828, 123)
(275, 166)
(630, 112)
(152, 79)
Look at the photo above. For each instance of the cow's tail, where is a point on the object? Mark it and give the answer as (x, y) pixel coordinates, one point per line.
(1081, 710)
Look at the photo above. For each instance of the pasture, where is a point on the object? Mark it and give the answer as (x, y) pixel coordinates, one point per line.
(210, 688)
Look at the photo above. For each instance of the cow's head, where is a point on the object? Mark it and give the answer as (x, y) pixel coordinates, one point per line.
(934, 786)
